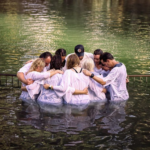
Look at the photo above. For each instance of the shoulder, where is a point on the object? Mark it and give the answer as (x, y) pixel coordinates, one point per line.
(88, 55)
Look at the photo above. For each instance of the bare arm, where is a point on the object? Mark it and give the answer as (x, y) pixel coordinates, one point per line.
(76, 92)
(53, 72)
(21, 77)
(99, 80)
(84, 91)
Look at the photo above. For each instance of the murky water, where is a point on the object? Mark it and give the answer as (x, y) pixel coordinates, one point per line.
(28, 28)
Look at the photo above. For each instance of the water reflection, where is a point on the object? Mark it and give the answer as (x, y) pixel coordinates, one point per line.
(72, 119)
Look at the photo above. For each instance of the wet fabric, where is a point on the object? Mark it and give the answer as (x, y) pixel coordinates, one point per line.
(116, 80)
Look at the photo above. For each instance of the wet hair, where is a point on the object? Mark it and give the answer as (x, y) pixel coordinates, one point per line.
(98, 52)
(45, 55)
(106, 56)
(38, 62)
(72, 61)
(56, 61)
(61, 52)
(88, 64)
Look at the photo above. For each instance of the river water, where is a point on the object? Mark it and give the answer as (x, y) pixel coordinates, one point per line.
(121, 27)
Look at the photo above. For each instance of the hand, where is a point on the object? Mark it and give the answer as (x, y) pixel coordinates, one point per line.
(127, 80)
(85, 90)
(60, 72)
(104, 90)
(86, 72)
(46, 86)
(29, 81)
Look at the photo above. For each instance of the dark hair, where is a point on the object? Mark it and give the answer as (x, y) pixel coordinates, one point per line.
(98, 52)
(45, 55)
(61, 52)
(72, 61)
(56, 62)
(106, 56)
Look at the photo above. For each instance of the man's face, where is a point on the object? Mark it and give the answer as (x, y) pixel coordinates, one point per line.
(81, 57)
(108, 63)
(97, 59)
(47, 61)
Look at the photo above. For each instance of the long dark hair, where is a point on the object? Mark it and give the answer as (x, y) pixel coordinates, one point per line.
(56, 62)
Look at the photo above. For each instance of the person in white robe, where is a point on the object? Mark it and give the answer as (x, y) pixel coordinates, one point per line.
(79, 51)
(94, 96)
(49, 97)
(73, 78)
(116, 79)
(30, 92)
(46, 56)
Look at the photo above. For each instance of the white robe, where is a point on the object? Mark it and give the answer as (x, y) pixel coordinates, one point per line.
(71, 81)
(116, 80)
(49, 96)
(34, 88)
(99, 71)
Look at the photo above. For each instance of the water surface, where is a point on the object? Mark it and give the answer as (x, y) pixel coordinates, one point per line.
(28, 28)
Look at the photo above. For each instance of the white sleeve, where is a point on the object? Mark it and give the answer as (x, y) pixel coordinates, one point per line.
(68, 95)
(40, 76)
(62, 88)
(25, 68)
(94, 87)
(33, 89)
(111, 76)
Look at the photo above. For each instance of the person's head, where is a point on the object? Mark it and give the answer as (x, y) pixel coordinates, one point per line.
(88, 64)
(104, 67)
(79, 50)
(58, 60)
(61, 52)
(46, 56)
(97, 54)
(72, 61)
(107, 60)
(37, 65)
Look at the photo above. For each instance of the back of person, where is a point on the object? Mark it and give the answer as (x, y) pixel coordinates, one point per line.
(49, 97)
(117, 87)
(79, 81)
(95, 91)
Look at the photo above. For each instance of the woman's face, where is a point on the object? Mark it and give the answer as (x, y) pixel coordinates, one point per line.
(63, 58)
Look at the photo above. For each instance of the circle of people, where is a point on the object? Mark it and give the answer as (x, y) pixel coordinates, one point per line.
(78, 78)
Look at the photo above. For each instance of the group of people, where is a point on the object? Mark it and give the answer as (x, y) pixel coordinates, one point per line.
(78, 78)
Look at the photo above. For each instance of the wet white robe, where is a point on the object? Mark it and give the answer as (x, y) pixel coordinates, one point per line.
(34, 88)
(99, 71)
(116, 80)
(71, 81)
(49, 97)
